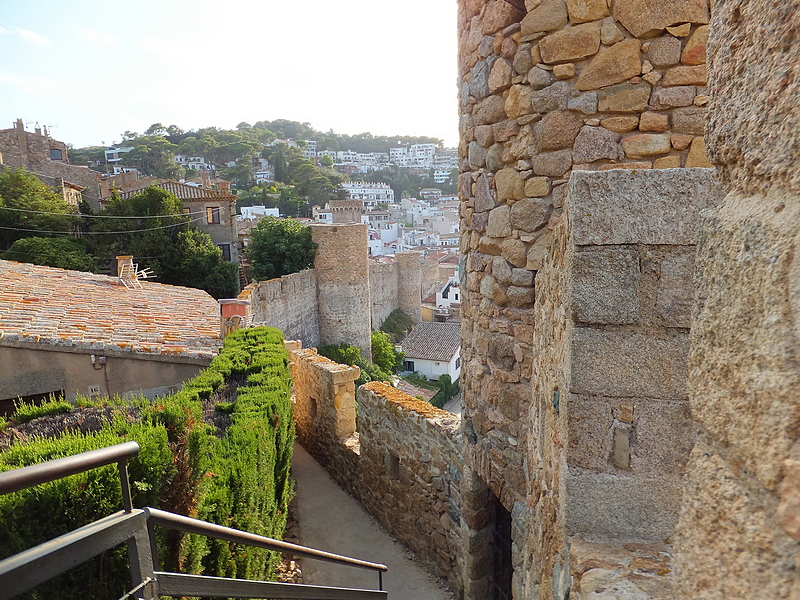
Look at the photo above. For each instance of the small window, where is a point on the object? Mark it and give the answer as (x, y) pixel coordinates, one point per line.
(458, 363)
(55, 154)
(409, 365)
(212, 215)
(187, 211)
(226, 251)
(392, 466)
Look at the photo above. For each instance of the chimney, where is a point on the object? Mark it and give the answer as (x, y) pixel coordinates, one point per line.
(224, 186)
(233, 313)
(124, 265)
(204, 178)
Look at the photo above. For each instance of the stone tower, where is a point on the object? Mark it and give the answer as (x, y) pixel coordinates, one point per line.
(409, 283)
(343, 296)
(547, 88)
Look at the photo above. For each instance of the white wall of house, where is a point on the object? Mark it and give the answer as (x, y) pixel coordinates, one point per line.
(434, 369)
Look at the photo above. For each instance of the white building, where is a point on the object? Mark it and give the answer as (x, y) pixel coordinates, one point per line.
(115, 154)
(370, 193)
(434, 349)
(449, 294)
(258, 211)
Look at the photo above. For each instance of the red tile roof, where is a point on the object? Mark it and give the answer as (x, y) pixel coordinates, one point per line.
(56, 307)
(433, 341)
(182, 191)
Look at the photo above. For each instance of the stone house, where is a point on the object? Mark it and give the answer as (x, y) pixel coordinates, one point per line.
(39, 153)
(213, 210)
(434, 349)
(71, 332)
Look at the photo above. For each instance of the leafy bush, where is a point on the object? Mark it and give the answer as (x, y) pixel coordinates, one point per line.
(239, 480)
(27, 412)
(280, 247)
(351, 355)
(398, 324)
(384, 354)
(52, 252)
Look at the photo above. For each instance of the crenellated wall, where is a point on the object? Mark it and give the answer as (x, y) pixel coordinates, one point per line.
(288, 303)
(343, 296)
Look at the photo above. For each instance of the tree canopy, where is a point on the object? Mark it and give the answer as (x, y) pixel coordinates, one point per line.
(280, 247)
(28, 207)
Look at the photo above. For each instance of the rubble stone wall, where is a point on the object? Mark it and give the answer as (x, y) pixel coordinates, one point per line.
(395, 285)
(403, 464)
(739, 530)
(288, 303)
(342, 267)
(550, 88)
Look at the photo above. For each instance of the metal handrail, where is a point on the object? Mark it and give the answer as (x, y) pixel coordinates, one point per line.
(25, 477)
(22, 571)
(189, 525)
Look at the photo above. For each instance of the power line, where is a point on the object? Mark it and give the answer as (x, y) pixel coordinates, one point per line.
(101, 232)
(57, 214)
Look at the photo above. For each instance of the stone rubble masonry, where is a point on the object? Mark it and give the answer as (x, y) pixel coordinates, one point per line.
(352, 288)
(403, 464)
(559, 90)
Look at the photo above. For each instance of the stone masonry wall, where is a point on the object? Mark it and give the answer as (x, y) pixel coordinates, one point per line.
(403, 464)
(342, 267)
(395, 285)
(288, 303)
(610, 432)
(548, 88)
(739, 530)
(383, 291)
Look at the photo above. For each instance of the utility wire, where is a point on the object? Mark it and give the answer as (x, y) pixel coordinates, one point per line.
(57, 214)
(101, 232)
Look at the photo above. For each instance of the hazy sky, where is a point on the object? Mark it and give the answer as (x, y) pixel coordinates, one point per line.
(92, 70)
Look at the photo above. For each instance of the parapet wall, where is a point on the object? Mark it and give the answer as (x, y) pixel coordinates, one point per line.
(403, 464)
(288, 303)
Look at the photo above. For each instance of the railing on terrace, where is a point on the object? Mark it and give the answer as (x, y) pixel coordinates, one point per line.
(31, 567)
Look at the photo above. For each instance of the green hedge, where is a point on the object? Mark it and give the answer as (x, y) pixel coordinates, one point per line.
(240, 479)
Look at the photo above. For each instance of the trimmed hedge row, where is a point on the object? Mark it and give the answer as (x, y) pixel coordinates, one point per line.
(239, 477)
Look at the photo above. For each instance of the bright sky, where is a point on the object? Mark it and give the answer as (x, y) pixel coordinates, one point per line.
(93, 69)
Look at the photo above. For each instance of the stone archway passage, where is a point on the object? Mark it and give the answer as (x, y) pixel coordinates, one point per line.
(501, 547)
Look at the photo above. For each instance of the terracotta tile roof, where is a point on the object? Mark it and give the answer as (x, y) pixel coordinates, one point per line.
(182, 191)
(433, 341)
(63, 308)
(413, 390)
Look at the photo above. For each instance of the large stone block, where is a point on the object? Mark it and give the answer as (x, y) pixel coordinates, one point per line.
(604, 285)
(491, 110)
(605, 504)
(581, 11)
(611, 65)
(530, 214)
(625, 97)
(744, 370)
(645, 144)
(510, 185)
(499, 225)
(675, 293)
(643, 17)
(660, 433)
(557, 130)
(498, 15)
(624, 364)
(550, 15)
(553, 97)
(664, 51)
(637, 207)
(552, 164)
(690, 120)
(571, 44)
(596, 143)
